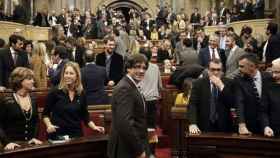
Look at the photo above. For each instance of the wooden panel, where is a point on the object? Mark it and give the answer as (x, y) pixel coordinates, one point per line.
(27, 31)
(94, 147)
(232, 145)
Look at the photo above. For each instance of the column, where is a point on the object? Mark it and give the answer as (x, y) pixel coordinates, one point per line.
(6, 7)
(31, 11)
(278, 13)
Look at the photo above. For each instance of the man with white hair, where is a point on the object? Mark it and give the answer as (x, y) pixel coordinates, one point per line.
(270, 109)
(211, 52)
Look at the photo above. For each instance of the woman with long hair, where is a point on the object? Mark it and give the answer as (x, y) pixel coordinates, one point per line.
(66, 106)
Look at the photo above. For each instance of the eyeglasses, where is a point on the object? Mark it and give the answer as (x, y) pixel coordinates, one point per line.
(214, 69)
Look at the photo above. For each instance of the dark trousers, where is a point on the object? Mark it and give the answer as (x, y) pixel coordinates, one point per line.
(151, 113)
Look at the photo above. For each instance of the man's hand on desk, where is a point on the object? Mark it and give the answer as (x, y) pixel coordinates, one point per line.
(11, 146)
(143, 155)
(194, 130)
(242, 129)
(268, 132)
(2, 89)
(35, 141)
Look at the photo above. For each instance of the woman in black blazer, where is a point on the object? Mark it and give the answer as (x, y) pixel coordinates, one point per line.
(18, 112)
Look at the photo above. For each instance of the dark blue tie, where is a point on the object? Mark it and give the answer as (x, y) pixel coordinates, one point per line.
(213, 104)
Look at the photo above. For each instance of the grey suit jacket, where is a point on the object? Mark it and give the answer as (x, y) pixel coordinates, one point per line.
(232, 62)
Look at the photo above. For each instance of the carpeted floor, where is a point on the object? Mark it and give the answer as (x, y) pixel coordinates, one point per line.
(163, 153)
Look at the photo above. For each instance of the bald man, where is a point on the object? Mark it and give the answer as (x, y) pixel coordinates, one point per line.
(270, 106)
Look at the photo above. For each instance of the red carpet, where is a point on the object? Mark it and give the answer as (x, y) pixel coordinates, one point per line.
(163, 153)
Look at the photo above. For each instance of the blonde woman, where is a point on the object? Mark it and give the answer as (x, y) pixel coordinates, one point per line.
(39, 63)
(66, 106)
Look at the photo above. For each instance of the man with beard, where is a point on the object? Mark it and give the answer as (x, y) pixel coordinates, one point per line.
(112, 61)
(10, 58)
(128, 137)
(233, 52)
(249, 87)
(210, 102)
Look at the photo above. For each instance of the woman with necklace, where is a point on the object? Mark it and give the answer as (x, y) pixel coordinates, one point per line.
(18, 112)
(66, 106)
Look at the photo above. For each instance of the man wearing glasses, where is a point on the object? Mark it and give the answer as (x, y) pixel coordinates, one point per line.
(210, 102)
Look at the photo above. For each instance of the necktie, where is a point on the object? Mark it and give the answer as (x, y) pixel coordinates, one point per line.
(213, 104)
(108, 65)
(14, 57)
(255, 90)
(213, 54)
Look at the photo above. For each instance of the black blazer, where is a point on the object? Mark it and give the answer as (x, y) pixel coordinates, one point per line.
(55, 75)
(246, 102)
(198, 111)
(7, 64)
(79, 56)
(195, 18)
(270, 108)
(93, 79)
(204, 56)
(116, 67)
(129, 130)
(272, 49)
(13, 122)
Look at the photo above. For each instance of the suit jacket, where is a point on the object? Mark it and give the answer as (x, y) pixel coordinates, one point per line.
(93, 79)
(232, 62)
(270, 108)
(247, 103)
(198, 111)
(195, 18)
(116, 67)
(259, 9)
(56, 74)
(204, 56)
(79, 56)
(7, 64)
(129, 130)
(272, 49)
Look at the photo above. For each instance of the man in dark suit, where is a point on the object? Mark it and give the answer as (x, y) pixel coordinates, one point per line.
(222, 11)
(75, 52)
(93, 79)
(128, 137)
(10, 58)
(210, 102)
(258, 9)
(195, 17)
(211, 52)
(60, 58)
(271, 49)
(249, 86)
(270, 109)
(112, 61)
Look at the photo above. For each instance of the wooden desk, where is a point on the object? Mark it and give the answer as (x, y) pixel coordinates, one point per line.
(93, 147)
(221, 145)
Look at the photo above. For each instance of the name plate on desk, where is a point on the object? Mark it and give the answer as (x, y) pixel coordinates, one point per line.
(93, 147)
(224, 145)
